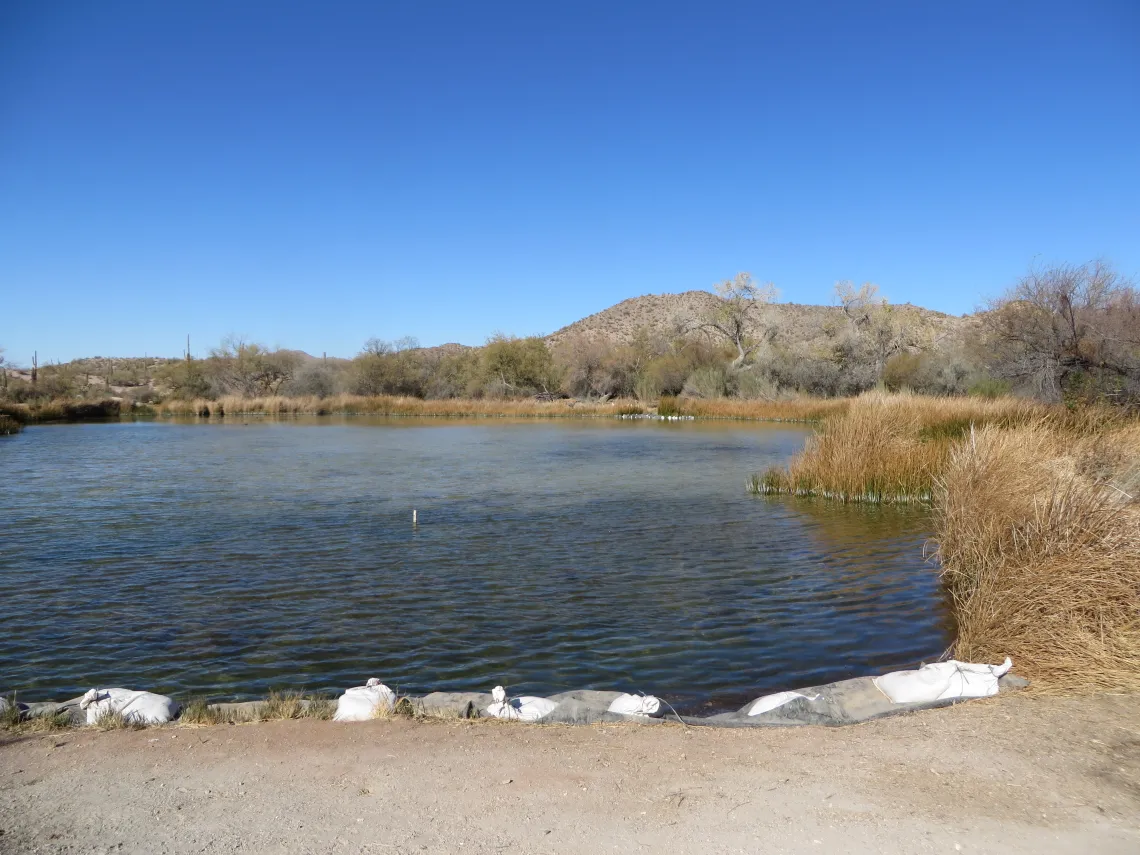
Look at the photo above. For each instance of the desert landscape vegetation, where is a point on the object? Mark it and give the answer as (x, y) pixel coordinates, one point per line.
(1017, 425)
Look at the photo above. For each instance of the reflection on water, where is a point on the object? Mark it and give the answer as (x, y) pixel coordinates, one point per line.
(229, 559)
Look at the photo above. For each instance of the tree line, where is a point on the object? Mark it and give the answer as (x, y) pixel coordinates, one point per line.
(1061, 333)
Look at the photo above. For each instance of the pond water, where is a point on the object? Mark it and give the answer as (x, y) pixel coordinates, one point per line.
(229, 559)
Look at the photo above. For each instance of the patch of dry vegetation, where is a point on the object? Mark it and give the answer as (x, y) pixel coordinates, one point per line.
(1038, 532)
(289, 705)
(14, 720)
(201, 711)
(59, 410)
(883, 447)
(794, 409)
(389, 405)
(1037, 520)
(115, 720)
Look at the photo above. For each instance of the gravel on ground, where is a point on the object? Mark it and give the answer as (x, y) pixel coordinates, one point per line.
(1006, 775)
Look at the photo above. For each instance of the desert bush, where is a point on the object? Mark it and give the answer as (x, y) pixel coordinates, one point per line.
(315, 378)
(513, 367)
(186, 379)
(752, 384)
(708, 381)
(989, 387)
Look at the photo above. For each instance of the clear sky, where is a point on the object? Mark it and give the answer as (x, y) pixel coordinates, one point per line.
(314, 173)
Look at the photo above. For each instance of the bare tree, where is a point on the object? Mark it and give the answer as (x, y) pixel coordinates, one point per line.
(1067, 329)
(738, 317)
(876, 329)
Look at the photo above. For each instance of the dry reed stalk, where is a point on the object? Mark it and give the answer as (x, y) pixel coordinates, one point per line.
(800, 409)
(1039, 541)
(887, 447)
(792, 409)
(396, 406)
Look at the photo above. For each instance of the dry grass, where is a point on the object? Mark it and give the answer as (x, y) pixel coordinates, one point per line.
(61, 410)
(115, 720)
(798, 409)
(278, 706)
(1037, 517)
(1038, 532)
(9, 425)
(11, 719)
(200, 711)
(289, 705)
(883, 447)
(391, 406)
(18, 413)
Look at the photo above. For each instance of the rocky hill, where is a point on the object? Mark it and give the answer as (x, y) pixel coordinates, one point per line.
(667, 314)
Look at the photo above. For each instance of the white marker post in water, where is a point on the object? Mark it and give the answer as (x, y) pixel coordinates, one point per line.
(414, 522)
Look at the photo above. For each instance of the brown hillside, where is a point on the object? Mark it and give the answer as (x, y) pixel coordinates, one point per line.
(666, 314)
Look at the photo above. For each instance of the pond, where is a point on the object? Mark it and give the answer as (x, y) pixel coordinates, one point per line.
(225, 560)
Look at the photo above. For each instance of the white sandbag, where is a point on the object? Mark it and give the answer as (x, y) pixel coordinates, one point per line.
(771, 702)
(4, 704)
(942, 681)
(362, 703)
(635, 705)
(135, 707)
(519, 709)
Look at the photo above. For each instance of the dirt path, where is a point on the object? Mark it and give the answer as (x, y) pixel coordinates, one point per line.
(1009, 775)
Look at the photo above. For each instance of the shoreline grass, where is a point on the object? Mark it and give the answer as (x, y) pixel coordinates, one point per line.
(889, 448)
(802, 409)
(1038, 532)
(60, 410)
(1036, 516)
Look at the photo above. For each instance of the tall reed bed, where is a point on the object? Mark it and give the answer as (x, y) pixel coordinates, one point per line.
(60, 410)
(1038, 531)
(795, 409)
(798, 409)
(385, 405)
(1036, 512)
(883, 447)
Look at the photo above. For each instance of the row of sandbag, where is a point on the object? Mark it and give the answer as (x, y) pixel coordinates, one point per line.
(844, 702)
(365, 702)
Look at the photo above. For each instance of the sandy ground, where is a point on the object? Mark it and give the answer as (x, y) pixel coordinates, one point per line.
(1014, 774)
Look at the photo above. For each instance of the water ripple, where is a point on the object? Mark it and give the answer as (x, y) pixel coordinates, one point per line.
(226, 560)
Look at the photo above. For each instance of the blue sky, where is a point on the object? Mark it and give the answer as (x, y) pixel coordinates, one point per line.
(312, 174)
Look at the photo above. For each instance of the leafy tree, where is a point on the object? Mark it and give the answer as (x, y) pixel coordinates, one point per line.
(518, 366)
